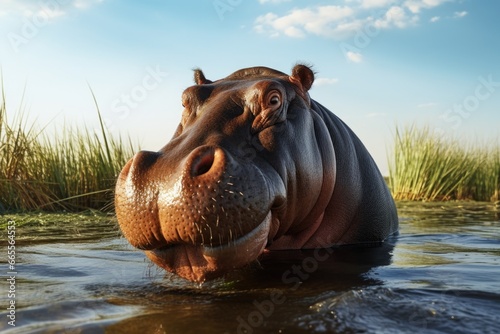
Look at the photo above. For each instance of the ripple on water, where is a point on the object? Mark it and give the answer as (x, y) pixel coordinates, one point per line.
(78, 316)
(386, 310)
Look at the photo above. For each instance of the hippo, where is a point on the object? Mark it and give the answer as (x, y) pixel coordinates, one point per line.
(255, 166)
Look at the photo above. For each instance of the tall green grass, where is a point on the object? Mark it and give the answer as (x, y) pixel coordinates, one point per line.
(73, 170)
(426, 166)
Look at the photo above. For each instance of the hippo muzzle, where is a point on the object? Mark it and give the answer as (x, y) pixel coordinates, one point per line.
(254, 165)
(208, 215)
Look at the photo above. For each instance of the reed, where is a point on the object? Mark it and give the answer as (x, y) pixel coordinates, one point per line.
(426, 166)
(73, 169)
(484, 183)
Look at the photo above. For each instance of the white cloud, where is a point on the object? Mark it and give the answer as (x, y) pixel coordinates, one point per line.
(345, 21)
(415, 6)
(355, 57)
(324, 21)
(459, 15)
(456, 15)
(43, 9)
(395, 17)
(325, 81)
(293, 31)
(376, 3)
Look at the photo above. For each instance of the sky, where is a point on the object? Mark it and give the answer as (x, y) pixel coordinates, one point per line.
(380, 64)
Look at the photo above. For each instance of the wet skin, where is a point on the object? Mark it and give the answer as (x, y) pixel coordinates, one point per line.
(254, 166)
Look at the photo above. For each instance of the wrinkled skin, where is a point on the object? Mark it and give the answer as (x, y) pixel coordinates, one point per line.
(254, 166)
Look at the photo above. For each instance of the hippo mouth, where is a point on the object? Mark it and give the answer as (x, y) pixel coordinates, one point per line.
(199, 262)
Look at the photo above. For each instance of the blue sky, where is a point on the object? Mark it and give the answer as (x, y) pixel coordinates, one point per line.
(379, 63)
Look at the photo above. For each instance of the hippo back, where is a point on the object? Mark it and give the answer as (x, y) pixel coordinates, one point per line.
(361, 195)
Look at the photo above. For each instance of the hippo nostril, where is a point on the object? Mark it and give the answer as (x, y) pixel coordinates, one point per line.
(203, 164)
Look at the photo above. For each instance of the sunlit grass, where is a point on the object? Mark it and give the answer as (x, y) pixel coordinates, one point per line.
(75, 169)
(484, 183)
(426, 166)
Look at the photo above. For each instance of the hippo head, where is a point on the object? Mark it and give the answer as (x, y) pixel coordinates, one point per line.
(242, 171)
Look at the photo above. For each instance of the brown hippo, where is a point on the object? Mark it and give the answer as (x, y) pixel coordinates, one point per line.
(254, 166)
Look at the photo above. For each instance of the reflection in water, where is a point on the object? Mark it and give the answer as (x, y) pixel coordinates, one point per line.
(439, 275)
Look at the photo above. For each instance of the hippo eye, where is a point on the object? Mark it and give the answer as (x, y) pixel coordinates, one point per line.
(274, 100)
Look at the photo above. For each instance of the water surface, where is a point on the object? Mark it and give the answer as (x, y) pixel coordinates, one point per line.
(76, 274)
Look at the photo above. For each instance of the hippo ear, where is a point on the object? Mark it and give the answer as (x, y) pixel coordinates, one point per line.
(199, 77)
(303, 75)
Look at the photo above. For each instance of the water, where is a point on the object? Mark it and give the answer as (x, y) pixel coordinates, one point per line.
(75, 274)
